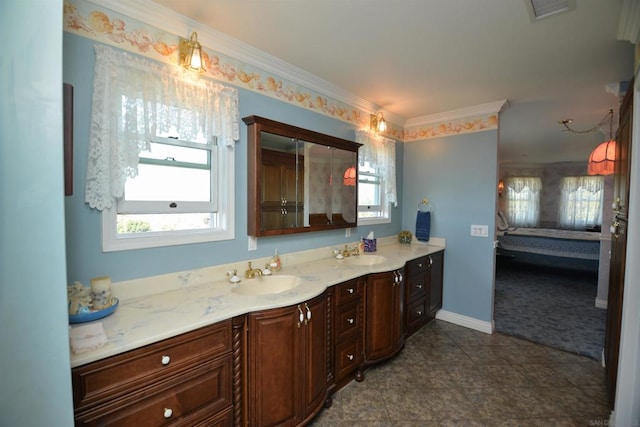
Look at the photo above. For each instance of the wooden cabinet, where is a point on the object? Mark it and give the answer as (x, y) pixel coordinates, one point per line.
(384, 308)
(282, 190)
(287, 363)
(185, 380)
(423, 295)
(347, 322)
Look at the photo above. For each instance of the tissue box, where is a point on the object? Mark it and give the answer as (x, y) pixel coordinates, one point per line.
(370, 245)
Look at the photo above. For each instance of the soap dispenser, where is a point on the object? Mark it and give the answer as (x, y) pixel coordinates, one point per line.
(275, 262)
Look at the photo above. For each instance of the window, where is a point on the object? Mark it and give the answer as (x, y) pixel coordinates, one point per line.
(581, 202)
(163, 173)
(523, 201)
(376, 178)
(371, 198)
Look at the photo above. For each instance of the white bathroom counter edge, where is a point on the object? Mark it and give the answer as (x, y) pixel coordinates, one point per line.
(192, 299)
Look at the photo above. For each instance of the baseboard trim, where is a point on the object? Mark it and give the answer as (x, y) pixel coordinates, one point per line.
(601, 303)
(466, 321)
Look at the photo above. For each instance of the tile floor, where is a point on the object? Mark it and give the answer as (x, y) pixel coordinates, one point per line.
(448, 375)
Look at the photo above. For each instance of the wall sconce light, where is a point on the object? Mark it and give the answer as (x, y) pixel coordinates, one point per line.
(377, 123)
(191, 53)
(350, 176)
(500, 188)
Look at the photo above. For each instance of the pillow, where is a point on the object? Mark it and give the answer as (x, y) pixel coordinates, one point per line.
(501, 221)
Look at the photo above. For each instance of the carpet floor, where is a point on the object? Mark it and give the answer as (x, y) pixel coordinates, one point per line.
(549, 306)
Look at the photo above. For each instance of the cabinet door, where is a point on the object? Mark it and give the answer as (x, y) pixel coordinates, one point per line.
(384, 314)
(435, 288)
(274, 366)
(315, 339)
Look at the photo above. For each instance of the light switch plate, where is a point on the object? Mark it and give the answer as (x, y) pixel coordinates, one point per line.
(347, 232)
(479, 230)
(253, 243)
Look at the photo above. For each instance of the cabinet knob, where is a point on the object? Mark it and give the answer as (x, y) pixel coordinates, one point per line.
(350, 356)
(350, 320)
(419, 312)
(419, 285)
(167, 412)
(420, 265)
(350, 290)
(165, 360)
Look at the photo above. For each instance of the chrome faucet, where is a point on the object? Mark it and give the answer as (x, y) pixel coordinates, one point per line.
(252, 272)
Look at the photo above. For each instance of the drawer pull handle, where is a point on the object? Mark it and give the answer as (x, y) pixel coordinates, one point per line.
(350, 290)
(168, 412)
(350, 356)
(165, 360)
(350, 320)
(419, 286)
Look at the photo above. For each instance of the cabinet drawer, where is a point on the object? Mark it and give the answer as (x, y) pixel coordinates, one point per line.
(348, 357)
(109, 378)
(417, 312)
(416, 287)
(348, 291)
(417, 266)
(203, 390)
(348, 320)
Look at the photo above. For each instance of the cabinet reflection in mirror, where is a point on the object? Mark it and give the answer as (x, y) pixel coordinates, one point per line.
(299, 180)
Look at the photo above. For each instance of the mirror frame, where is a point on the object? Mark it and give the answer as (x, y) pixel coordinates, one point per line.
(256, 125)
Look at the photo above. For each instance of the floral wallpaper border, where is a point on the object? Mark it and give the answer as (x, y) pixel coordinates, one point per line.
(106, 26)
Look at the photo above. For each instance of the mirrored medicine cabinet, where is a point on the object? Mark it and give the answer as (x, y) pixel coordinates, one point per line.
(299, 180)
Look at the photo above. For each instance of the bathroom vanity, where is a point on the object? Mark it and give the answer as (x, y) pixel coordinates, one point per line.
(199, 353)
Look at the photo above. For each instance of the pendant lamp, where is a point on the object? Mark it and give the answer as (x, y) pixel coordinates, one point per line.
(350, 176)
(603, 159)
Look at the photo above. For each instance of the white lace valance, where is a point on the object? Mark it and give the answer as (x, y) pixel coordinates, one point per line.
(135, 100)
(381, 152)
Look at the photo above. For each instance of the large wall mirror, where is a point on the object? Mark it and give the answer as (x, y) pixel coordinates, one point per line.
(299, 180)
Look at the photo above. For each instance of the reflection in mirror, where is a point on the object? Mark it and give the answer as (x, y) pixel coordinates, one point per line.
(299, 180)
(282, 196)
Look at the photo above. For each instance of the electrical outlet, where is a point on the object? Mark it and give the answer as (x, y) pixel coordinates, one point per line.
(479, 230)
(253, 243)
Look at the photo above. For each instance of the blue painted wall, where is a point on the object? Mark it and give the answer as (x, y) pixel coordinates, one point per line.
(35, 375)
(458, 174)
(85, 258)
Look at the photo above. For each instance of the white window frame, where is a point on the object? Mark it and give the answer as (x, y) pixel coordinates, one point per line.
(222, 163)
(384, 207)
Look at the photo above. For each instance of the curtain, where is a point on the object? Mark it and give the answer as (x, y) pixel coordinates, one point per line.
(135, 100)
(523, 201)
(581, 202)
(380, 152)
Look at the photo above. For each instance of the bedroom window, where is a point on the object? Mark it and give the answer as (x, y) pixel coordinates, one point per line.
(581, 202)
(523, 201)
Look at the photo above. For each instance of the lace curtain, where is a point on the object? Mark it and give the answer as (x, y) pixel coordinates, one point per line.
(135, 100)
(581, 202)
(523, 201)
(381, 152)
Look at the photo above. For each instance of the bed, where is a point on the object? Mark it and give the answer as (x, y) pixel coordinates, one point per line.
(559, 248)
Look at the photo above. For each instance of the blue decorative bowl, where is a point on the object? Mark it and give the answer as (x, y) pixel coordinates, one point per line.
(94, 315)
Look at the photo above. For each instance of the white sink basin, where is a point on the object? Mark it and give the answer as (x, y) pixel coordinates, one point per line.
(266, 285)
(365, 260)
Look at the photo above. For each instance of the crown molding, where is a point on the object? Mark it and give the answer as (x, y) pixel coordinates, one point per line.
(163, 18)
(478, 110)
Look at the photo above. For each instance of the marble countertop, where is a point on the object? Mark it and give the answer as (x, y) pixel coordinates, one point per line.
(160, 307)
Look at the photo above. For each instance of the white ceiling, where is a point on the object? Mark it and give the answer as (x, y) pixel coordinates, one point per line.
(415, 58)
